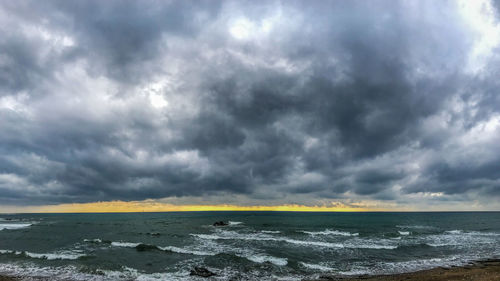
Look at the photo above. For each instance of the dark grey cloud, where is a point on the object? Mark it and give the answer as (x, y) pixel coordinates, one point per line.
(263, 99)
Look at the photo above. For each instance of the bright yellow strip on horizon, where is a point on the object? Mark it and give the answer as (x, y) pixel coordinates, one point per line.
(151, 206)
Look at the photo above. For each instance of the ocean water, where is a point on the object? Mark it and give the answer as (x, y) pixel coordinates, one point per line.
(255, 245)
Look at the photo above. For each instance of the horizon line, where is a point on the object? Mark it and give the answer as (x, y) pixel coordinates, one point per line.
(243, 211)
(151, 206)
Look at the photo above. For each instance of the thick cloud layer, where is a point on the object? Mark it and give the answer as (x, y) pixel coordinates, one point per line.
(270, 100)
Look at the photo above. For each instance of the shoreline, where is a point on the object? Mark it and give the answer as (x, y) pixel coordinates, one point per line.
(481, 270)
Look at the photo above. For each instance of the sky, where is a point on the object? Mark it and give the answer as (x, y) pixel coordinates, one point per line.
(291, 105)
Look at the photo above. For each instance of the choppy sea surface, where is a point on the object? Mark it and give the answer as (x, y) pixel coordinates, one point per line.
(255, 245)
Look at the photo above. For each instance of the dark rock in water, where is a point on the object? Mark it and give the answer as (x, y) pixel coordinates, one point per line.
(201, 271)
(220, 223)
(145, 247)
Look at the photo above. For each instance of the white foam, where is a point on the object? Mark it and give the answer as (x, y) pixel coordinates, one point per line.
(55, 256)
(271, 231)
(167, 248)
(10, 252)
(186, 251)
(472, 233)
(230, 235)
(25, 271)
(128, 273)
(208, 236)
(125, 244)
(63, 255)
(14, 225)
(235, 222)
(416, 226)
(30, 271)
(454, 231)
(316, 266)
(477, 233)
(264, 258)
(373, 246)
(356, 271)
(461, 239)
(406, 266)
(329, 232)
(258, 237)
(69, 272)
(313, 243)
(97, 240)
(444, 244)
(387, 244)
(404, 233)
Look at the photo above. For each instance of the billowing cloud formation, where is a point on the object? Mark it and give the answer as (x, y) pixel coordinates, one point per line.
(270, 100)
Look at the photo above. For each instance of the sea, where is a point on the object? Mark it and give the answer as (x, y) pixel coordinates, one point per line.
(253, 246)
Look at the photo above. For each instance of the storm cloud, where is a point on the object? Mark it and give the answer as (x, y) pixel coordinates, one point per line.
(269, 100)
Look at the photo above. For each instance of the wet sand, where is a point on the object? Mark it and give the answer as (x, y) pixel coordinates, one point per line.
(486, 270)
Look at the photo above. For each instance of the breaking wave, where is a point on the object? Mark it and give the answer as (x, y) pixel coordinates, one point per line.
(173, 249)
(63, 255)
(227, 235)
(14, 225)
(316, 267)
(186, 251)
(265, 258)
(329, 232)
(125, 244)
